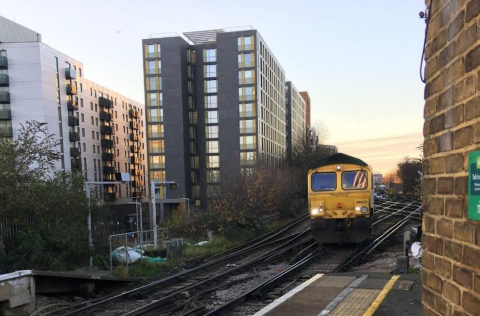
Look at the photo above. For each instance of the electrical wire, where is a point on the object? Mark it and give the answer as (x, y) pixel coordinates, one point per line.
(427, 22)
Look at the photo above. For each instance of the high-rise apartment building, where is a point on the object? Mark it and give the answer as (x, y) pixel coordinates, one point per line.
(306, 98)
(216, 104)
(100, 132)
(295, 115)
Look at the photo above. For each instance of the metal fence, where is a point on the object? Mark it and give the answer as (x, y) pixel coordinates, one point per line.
(142, 240)
(9, 228)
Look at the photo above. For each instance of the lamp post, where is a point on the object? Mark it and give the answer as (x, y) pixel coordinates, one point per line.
(188, 205)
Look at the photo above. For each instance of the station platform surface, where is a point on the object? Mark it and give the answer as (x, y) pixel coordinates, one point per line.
(351, 294)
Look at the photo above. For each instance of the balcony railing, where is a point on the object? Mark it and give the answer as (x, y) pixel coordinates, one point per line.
(70, 73)
(72, 105)
(73, 121)
(108, 143)
(108, 170)
(105, 103)
(4, 97)
(4, 80)
(5, 114)
(6, 130)
(74, 136)
(135, 172)
(106, 130)
(3, 62)
(104, 116)
(76, 165)
(74, 152)
(107, 156)
(134, 113)
(134, 160)
(134, 125)
(71, 89)
(135, 149)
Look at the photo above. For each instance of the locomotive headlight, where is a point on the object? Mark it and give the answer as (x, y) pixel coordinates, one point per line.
(314, 211)
(358, 208)
(320, 210)
(364, 209)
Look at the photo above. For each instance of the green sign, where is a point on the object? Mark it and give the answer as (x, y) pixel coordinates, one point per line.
(474, 185)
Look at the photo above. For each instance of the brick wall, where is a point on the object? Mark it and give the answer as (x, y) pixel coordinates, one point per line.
(451, 262)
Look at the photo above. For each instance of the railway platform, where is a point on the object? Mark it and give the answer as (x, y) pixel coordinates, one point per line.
(355, 293)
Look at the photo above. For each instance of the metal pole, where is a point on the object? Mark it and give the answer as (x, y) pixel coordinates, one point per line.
(89, 225)
(154, 215)
(188, 207)
(111, 258)
(141, 225)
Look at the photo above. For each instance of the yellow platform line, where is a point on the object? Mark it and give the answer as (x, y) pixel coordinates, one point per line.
(381, 296)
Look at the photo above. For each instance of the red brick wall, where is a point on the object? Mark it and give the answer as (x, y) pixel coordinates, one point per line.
(451, 261)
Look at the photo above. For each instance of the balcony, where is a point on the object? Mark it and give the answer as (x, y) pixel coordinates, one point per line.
(76, 165)
(105, 103)
(134, 160)
(111, 196)
(74, 152)
(134, 125)
(137, 195)
(4, 80)
(105, 116)
(74, 136)
(108, 143)
(135, 172)
(3, 62)
(72, 105)
(5, 114)
(73, 121)
(70, 73)
(106, 130)
(71, 89)
(4, 97)
(135, 149)
(6, 131)
(108, 170)
(134, 113)
(107, 156)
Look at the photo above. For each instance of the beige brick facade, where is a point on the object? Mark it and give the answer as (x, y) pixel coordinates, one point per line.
(451, 262)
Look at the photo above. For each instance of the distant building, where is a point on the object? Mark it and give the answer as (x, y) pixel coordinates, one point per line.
(295, 117)
(100, 132)
(377, 178)
(328, 149)
(306, 98)
(216, 104)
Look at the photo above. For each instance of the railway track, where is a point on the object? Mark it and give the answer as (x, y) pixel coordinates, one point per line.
(183, 280)
(191, 292)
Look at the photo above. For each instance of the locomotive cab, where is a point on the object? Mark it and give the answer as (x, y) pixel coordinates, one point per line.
(341, 199)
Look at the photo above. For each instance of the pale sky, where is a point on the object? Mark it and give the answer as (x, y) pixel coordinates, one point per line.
(359, 60)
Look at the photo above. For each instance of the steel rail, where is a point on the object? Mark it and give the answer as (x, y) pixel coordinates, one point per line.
(260, 259)
(177, 277)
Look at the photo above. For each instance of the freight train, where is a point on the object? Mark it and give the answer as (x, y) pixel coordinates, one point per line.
(340, 199)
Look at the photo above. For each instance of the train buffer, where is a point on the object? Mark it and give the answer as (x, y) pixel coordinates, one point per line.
(352, 293)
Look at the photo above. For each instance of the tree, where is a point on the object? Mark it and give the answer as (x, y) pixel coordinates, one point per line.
(48, 208)
(408, 172)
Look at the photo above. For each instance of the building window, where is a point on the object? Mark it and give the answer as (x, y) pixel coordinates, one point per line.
(212, 147)
(153, 67)
(156, 146)
(246, 93)
(211, 101)
(211, 117)
(211, 86)
(153, 50)
(247, 109)
(246, 60)
(154, 83)
(210, 71)
(245, 42)
(154, 99)
(155, 115)
(213, 161)
(157, 162)
(248, 158)
(213, 176)
(247, 126)
(211, 131)
(246, 77)
(155, 131)
(248, 142)
(210, 55)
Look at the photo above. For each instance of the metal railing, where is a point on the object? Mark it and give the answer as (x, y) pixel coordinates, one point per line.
(135, 239)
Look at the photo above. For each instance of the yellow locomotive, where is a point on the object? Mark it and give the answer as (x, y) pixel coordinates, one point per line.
(340, 199)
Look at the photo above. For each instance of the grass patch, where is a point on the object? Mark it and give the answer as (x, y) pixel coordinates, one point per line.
(218, 244)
